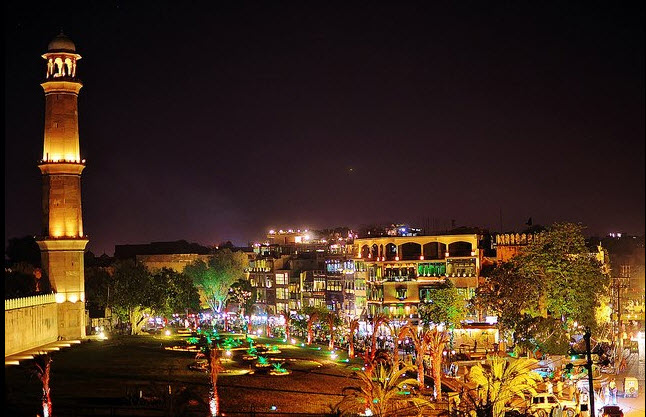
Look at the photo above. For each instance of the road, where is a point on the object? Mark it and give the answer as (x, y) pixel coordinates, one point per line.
(634, 407)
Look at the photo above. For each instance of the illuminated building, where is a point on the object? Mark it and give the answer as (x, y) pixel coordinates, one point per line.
(63, 242)
(400, 270)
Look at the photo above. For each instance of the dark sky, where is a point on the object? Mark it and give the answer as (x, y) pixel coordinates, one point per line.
(218, 120)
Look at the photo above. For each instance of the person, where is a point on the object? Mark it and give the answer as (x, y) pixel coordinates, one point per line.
(613, 391)
(605, 394)
(549, 387)
(622, 365)
(559, 388)
(570, 391)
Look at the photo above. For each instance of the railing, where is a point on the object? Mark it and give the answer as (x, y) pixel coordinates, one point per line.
(399, 278)
(29, 301)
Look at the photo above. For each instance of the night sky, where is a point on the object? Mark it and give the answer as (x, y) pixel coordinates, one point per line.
(219, 120)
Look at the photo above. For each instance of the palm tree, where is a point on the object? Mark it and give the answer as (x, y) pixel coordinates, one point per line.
(288, 320)
(43, 364)
(215, 366)
(438, 338)
(501, 380)
(421, 342)
(377, 321)
(395, 329)
(331, 319)
(310, 322)
(354, 326)
(389, 393)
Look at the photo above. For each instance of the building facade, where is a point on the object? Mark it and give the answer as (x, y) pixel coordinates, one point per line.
(400, 271)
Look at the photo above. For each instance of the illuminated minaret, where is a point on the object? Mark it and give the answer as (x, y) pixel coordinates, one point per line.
(62, 243)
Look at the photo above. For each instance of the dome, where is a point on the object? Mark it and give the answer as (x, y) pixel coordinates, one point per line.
(61, 43)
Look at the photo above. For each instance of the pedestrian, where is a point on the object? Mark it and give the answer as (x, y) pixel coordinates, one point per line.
(622, 365)
(613, 391)
(606, 394)
(570, 391)
(549, 387)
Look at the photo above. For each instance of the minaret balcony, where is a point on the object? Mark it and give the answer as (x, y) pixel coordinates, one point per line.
(61, 167)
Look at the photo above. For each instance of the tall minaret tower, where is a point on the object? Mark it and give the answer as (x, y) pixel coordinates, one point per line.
(62, 243)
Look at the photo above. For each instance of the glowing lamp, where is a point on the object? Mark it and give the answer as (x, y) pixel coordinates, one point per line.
(73, 298)
(421, 257)
(60, 298)
(396, 258)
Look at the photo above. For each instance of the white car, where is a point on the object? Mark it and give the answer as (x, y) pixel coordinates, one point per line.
(541, 405)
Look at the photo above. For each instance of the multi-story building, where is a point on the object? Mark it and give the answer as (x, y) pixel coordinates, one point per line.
(400, 271)
(351, 297)
(313, 289)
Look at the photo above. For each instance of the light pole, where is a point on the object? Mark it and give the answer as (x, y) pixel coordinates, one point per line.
(586, 336)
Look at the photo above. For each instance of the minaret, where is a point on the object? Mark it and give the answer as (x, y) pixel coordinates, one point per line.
(62, 243)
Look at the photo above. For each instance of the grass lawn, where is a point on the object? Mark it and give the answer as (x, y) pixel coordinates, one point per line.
(101, 373)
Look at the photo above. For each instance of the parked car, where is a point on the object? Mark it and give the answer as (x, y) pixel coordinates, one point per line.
(610, 411)
(542, 404)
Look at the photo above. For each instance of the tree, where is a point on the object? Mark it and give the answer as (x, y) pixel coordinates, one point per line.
(24, 280)
(42, 369)
(134, 292)
(288, 321)
(214, 355)
(571, 280)
(178, 293)
(23, 249)
(352, 328)
(510, 295)
(442, 306)
(500, 381)
(333, 321)
(215, 277)
(389, 393)
(437, 340)
(314, 316)
(552, 282)
(242, 294)
(420, 341)
(97, 286)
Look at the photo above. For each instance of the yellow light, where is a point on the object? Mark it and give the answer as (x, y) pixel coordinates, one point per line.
(60, 298)
(73, 298)
(167, 332)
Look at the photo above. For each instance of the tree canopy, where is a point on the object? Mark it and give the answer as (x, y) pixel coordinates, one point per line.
(242, 294)
(135, 291)
(553, 282)
(442, 306)
(217, 275)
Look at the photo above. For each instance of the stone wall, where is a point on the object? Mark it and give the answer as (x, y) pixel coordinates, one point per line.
(29, 327)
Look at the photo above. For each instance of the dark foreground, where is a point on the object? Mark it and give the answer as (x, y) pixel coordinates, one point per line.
(136, 376)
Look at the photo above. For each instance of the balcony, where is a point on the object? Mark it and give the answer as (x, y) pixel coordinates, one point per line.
(399, 278)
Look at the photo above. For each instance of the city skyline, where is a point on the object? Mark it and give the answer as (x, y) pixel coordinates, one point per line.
(218, 126)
